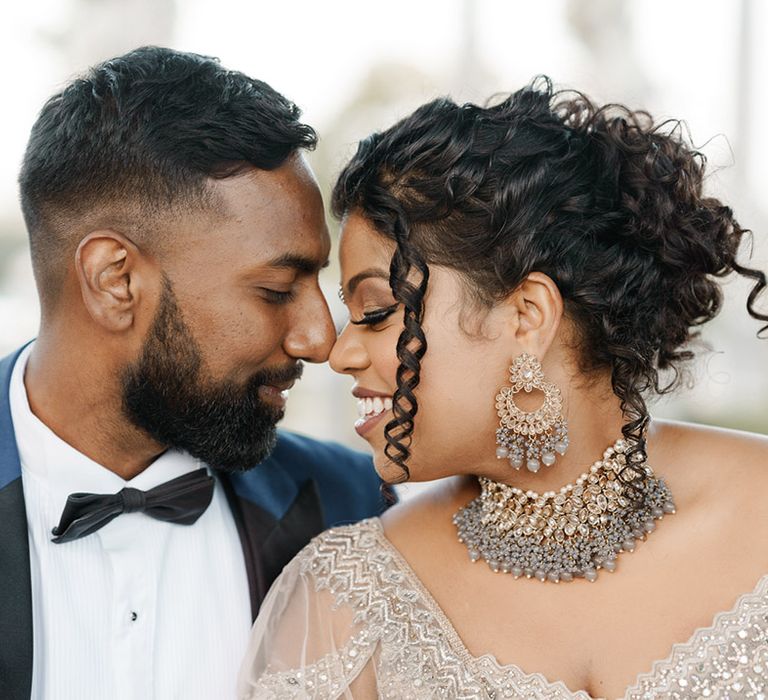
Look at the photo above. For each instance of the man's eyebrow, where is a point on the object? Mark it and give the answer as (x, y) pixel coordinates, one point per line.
(355, 281)
(301, 263)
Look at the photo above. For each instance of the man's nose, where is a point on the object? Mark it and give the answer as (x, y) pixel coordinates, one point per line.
(312, 332)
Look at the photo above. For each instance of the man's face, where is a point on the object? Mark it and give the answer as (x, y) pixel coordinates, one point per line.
(241, 307)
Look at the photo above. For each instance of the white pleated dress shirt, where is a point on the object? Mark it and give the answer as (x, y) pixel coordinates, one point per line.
(140, 609)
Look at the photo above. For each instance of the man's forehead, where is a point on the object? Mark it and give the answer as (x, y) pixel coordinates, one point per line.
(254, 187)
(281, 211)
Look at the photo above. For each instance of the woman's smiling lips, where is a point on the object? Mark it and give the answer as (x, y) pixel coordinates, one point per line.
(371, 407)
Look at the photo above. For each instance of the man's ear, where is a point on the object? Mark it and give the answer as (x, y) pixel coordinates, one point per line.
(539, 309)
(105, 263)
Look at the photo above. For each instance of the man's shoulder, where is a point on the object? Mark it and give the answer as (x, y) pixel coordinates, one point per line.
(9, 360)
(346, 482)
(7, 364)
(305, 456)
(10, 466)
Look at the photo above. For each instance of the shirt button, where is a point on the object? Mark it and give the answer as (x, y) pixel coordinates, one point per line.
(134, 616)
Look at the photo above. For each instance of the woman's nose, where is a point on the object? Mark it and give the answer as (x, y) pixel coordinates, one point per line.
(348, 354)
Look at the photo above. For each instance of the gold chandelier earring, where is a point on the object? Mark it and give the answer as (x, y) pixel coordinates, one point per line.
(535, 437)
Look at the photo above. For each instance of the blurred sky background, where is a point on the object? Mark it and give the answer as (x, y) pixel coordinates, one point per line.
(354, 67)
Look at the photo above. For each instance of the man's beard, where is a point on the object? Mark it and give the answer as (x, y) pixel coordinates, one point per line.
(166, 393)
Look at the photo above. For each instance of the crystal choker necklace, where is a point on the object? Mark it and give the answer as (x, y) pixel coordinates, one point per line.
(574, 532)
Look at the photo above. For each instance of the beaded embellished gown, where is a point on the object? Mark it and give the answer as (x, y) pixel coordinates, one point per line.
(348, 618)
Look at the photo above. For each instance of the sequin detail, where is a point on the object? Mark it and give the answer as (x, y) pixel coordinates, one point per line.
(418, 654)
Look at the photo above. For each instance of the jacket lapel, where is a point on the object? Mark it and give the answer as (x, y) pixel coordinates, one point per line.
(302, 521)
(15, 584)
(271, 540)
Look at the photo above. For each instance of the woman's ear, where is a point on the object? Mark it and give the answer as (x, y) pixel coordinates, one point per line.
(538, 307)
(105, 263)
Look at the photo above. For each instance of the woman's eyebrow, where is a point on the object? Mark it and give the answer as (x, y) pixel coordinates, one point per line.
(355, 281)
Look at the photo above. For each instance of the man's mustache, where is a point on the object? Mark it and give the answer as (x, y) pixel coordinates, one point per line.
(278, 375)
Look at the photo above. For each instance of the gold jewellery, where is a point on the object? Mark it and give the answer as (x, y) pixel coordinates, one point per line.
(530, 437)
(570, 533)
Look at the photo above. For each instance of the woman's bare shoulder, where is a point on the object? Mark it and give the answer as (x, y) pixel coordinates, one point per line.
(706, 443)
(705, 459)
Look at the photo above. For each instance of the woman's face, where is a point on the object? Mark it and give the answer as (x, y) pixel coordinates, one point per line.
(466, 362)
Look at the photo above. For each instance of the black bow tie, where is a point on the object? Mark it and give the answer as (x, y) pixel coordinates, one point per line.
(182, 500)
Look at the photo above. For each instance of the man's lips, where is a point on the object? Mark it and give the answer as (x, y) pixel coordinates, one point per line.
(281, 386)
(275, 394)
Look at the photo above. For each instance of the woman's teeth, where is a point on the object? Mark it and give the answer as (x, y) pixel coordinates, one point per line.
(373, 406)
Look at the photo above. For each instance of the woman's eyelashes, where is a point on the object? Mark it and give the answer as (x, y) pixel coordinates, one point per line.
(371, 318)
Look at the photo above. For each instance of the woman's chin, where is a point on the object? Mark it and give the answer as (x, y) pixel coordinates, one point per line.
(388, 472)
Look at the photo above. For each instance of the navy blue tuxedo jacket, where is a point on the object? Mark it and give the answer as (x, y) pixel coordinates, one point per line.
(304, 487)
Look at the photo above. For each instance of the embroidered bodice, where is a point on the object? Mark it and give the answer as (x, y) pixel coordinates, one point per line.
(348, 618)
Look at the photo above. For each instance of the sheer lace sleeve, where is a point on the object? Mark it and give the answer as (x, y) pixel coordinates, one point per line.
(307, 641)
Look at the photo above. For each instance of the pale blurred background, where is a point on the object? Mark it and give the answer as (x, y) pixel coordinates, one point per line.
(354, 67)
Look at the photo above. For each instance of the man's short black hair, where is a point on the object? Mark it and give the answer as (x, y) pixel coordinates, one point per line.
(136, 139)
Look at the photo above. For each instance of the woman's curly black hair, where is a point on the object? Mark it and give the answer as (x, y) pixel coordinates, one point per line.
(604, 202)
